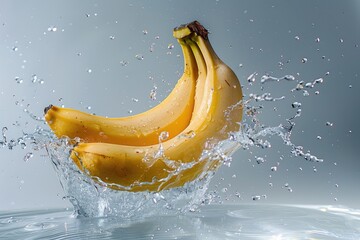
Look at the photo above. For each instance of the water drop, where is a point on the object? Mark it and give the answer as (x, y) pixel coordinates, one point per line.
(134, 99)
(297, 37)
(157, 37)
(274, 168)
(170, 46)
(88, 107)
(153, 93)
(296, 105)
(52, 29)
(341, 40)
(260, 160)
(233, 176)
(350, 86)
(256, 198)
(317, 40)
(251, 78)
(237, 194)
(304, 60)
(145, 32)
(41, 81)
(336, 185)
(139, 57)
(28, 156)
(224, 190)
(112, 37)
(18, 80)
(130, 111)
(318, 137)
(15, 49)
(241, 65)
(317, 92)
(124, 63)
(163, 136)
(89, 70)
(329, 124)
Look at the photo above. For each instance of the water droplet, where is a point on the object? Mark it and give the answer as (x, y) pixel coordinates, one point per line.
(18, 80)
(41, 81)
(336, 185)
(329, 124)
(241, 65)
(153, 93)
(260, 160)
(89, 70)
(318, 137)
(335, 199)
(317, 92)
(233, 176)
(224, 190)
(28, 156)
(152, 47)
(134, 99)
(124, 63)
(341, 40)
(304, 60)
(139, 57)
(163, 136)
(350, 86)
(296, 105)
(157, 37)
(170, 46)
(88, 107)
(297, 37)
(112, 37)
(130, 111)
(256, 198)
(251, 78)
(145, 32)
(15, 49)
(237, 194)
(274, 168)
(52, 29)
(317, 40)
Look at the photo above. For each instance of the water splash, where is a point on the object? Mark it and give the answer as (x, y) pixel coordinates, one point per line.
(92, 197)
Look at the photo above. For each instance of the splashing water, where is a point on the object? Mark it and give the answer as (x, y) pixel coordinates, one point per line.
(92, 197)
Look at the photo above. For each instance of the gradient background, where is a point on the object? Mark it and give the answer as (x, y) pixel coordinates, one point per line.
(266, 37)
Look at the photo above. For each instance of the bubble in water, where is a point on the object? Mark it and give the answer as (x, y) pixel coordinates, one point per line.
(304, 60)
(139, 57)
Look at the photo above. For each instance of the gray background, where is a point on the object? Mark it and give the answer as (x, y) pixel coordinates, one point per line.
(266, 37)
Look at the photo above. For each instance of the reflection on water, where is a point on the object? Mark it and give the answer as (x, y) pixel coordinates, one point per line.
(270, 222)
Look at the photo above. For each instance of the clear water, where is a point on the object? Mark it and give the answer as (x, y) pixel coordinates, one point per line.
(270, 222)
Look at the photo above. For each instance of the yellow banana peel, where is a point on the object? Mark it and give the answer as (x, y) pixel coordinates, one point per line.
(153, 167)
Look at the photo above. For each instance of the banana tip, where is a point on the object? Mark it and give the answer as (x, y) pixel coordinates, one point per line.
(47, 108)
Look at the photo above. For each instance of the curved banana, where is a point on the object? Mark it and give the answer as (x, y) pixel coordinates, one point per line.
(172, 115)
(149, 168)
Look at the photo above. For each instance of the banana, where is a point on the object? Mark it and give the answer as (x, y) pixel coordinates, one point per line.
(172, 115)
(217, 112)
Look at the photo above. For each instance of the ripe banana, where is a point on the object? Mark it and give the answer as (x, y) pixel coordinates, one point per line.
(154, 167)
(172, 115)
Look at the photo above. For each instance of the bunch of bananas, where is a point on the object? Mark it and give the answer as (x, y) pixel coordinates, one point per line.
(142, 152)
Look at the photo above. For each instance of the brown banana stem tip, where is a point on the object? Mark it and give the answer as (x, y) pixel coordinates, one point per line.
(197, 28)
(47, 108)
